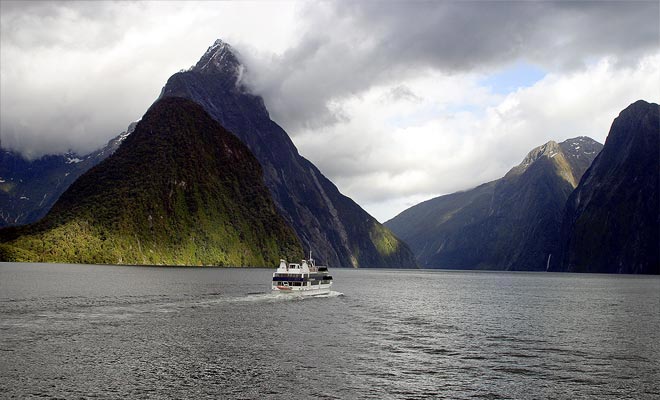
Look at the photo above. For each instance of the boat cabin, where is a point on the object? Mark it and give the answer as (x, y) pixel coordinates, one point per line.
(303, 276)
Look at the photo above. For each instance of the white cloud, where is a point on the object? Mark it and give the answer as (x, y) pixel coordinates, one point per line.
(74, 74)
(345, 48)
(453, 135)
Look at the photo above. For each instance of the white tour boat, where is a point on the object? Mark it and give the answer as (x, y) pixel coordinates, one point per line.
(305, 278)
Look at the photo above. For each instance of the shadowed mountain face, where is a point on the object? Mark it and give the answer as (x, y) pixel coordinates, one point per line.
(180, 190)
(612, 218)
(339, 232)
(509, 224)
(29, 188)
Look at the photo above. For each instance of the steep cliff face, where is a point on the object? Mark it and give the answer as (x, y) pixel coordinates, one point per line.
(612, 218)
(509, 224)
(333, 226)
(180, 190)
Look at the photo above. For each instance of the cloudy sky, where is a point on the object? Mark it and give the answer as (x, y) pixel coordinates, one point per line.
(396, 102)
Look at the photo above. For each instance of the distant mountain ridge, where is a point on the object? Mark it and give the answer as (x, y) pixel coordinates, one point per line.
(29, 188)
(332, 225)
(180, 190)
(508, 224)
(612, 220)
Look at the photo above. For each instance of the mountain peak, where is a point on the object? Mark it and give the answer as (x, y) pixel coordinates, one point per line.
(580, 146)
(219, 46)
(639, 105)
(219, 58)
(331, 224)
(578, 152)
(549, 150)
(638, 113)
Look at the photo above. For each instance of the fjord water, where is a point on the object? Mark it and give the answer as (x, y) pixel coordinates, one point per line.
(71, 331)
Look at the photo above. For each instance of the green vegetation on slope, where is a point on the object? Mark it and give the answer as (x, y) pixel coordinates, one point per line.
(384, 240)
(180, 190)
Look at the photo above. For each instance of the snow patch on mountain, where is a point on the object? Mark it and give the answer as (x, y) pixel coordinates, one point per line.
(72, 160)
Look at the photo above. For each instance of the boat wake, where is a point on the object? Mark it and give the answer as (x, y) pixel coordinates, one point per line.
(288, 296)
(260, 297)
(119, 311)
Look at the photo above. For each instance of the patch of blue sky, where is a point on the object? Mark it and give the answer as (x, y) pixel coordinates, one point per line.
(512, 78)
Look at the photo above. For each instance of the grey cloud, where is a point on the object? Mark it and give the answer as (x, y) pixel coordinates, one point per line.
(464, 35)
(71, 75)
(346, 47)
(58, 22)
(343, 49)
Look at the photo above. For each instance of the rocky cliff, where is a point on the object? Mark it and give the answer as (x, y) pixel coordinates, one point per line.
(612, 218)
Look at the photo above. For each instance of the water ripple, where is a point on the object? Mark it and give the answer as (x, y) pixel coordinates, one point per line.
(180, 333)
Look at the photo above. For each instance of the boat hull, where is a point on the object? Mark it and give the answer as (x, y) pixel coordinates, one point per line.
(302, 291)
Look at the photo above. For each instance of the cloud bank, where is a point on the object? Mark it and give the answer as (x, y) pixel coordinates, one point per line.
(368, 43)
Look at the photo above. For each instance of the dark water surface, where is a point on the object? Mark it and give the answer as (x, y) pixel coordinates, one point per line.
(72, 331)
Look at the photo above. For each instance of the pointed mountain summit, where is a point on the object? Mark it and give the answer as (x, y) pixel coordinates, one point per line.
(333, 226)
(580, 153)
(180, 190)
(509, 224)
(571, 157)
(612, 219)
(219, 59)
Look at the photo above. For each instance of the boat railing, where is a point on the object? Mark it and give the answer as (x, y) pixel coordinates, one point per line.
(295, 267)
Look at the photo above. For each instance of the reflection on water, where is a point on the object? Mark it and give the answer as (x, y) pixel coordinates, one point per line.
(97, 331)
